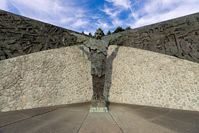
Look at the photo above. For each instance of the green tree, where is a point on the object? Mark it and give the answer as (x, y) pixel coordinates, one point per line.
(109, 32)
(90, 34)
(128, 28)
(119, 29)
(82, 32)
(102, 31)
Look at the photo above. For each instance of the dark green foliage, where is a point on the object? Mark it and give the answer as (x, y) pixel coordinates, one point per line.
(90, 34)
(102, 31)
(82, 32)
(109, 32)
(128, 28)
(119, 29)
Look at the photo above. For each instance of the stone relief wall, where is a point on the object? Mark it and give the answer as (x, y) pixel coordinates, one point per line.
(134, 76)
(178, 37)
(47, 78)
(142, 77)
(20, 35)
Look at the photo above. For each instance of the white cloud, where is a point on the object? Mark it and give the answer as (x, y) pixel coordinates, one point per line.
(47, 6)
(117, 22)
(160, 10)
(102, 24)
(121, 3)
(44, 10)
(117, 7)
(3, 5)
(74, 15)
(79, 23)
(57, 12)
(111, 11)
(152, 11)
(66, 20)
(80, 13)
(114, 11)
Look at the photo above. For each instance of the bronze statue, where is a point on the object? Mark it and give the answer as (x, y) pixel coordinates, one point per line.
(97, 55)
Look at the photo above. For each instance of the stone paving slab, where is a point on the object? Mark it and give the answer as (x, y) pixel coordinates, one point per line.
(57, 119)
(121, 118)
(99, 123)
(130, 123)
(11, 117)
(64, 116)
(41, 126)
(99, 128)
(141, 119)
(99, 118)
(7, 118)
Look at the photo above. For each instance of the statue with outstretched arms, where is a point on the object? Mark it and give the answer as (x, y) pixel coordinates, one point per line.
(97, 55)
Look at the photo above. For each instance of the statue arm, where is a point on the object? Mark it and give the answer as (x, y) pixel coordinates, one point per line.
(114, 39)
(85, 51)
(82, 48)
(114, 53)
(86, 41)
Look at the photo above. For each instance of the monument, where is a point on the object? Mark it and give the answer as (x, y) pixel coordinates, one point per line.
(97, 55)
(149, 69)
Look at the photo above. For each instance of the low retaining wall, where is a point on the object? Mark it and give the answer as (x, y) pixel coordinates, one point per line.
(48, 78)
(133, 76)
(146, 78)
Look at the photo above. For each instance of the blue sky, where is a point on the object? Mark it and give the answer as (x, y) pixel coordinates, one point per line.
(88, 15)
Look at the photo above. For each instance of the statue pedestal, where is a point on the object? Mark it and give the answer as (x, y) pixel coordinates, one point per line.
(98, 109)
(98, 106)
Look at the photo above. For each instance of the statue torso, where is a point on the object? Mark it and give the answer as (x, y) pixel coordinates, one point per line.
(98, 50)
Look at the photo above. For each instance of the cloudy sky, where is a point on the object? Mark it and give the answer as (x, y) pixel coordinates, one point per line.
(88, 15)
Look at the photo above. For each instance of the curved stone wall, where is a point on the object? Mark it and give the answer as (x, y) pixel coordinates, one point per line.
(52, 77)
(133, 76)
(142, 77)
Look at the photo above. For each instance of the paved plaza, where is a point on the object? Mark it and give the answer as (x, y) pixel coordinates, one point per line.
(121, 118)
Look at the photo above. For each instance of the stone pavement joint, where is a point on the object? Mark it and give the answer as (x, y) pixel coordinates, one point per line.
(116, 122)
(82, 122)
(121, 118)
(25, 118)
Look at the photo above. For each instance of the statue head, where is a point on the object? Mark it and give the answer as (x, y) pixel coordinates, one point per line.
(98, 34)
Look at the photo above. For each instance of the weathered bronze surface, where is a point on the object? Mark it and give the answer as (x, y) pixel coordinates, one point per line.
(20, 35)
(98, 53)
(178, 37)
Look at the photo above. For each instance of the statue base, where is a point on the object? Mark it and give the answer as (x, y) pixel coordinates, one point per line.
(98, 105)
(98, 109)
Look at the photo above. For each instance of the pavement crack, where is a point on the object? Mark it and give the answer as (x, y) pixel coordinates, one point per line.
(116, 122)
